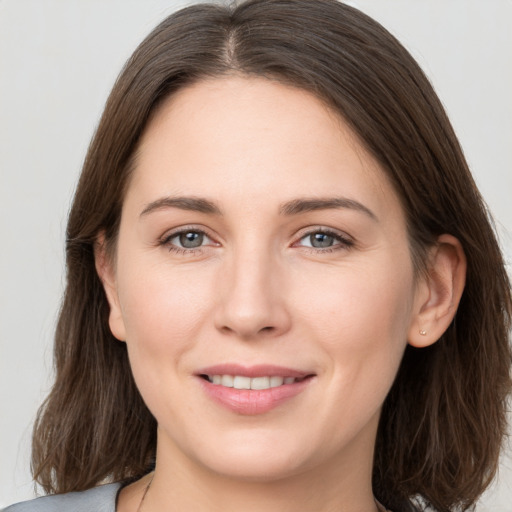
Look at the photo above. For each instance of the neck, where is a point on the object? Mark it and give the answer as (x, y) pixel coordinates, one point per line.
(284, 496)
(180, 484)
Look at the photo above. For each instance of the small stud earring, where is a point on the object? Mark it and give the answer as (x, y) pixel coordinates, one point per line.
(423, 333)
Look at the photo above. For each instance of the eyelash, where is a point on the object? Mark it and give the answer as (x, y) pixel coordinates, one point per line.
(342, 242)
(166, 240)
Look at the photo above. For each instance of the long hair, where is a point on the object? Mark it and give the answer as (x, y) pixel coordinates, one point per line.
(444, 419)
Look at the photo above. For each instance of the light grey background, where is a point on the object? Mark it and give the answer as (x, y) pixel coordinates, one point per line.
(58, 61)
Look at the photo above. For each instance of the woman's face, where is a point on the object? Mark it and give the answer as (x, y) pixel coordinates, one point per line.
(261, 246)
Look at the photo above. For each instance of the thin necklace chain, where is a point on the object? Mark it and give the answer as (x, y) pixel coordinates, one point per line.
(139, 509)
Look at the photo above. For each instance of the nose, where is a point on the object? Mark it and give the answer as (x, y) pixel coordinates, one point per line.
(252, 296)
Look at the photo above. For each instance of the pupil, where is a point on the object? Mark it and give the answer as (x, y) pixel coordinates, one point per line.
(321, 240)
(191, 239)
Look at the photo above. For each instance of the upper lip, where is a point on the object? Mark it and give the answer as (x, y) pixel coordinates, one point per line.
(260, 370)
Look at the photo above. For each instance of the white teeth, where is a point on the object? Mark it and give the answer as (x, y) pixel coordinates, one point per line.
(276, 381)
(260, 383)
(227, 380)
(242, 382)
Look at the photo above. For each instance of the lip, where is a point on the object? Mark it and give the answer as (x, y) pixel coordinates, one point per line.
(260, 370)
(251, 402)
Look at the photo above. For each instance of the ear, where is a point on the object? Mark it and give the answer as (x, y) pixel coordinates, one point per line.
(439, 292)
(106, 272)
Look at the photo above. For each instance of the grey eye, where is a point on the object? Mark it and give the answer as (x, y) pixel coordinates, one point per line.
(325, 240)
(321, 240)
(190, 239)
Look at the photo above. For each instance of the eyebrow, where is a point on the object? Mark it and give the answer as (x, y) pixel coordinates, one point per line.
(196, 204)
(294, 207)
(298, 206)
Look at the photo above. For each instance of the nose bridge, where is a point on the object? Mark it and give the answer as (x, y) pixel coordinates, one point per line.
(251, 300)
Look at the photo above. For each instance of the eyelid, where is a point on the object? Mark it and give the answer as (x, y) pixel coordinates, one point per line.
(170, 234)
(344, 239)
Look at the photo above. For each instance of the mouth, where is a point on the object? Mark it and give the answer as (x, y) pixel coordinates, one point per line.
(256, 383)
(253, 390)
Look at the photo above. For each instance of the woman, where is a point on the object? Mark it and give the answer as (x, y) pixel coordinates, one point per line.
(283, 288)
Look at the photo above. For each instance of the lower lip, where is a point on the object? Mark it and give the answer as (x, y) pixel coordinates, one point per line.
(253, 401)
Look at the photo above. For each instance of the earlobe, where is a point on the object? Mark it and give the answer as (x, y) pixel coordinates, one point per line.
(439, 292)
(106, 273)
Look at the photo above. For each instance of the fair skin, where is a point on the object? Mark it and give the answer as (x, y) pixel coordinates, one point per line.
(257, 231)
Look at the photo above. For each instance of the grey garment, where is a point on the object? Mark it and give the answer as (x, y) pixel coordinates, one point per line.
(98, 499)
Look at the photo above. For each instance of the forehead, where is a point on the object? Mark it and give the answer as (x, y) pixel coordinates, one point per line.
(253, 137)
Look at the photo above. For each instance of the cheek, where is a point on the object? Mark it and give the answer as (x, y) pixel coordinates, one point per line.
(361, 316)
(163, 313)
(159, 302)
(364, 299)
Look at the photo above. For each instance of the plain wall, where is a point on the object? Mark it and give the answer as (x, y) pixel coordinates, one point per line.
(58, 61)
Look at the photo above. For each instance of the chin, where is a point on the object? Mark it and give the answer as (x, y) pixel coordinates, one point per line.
(262, 468)
(269, 456)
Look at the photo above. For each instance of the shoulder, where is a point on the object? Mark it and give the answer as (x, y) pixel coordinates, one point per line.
(98, 499)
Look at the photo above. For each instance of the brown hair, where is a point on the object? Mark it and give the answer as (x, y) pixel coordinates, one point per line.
(443, 422)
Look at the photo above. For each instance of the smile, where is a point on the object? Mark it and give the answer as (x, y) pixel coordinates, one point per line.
(253, 390)
(243, 382)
